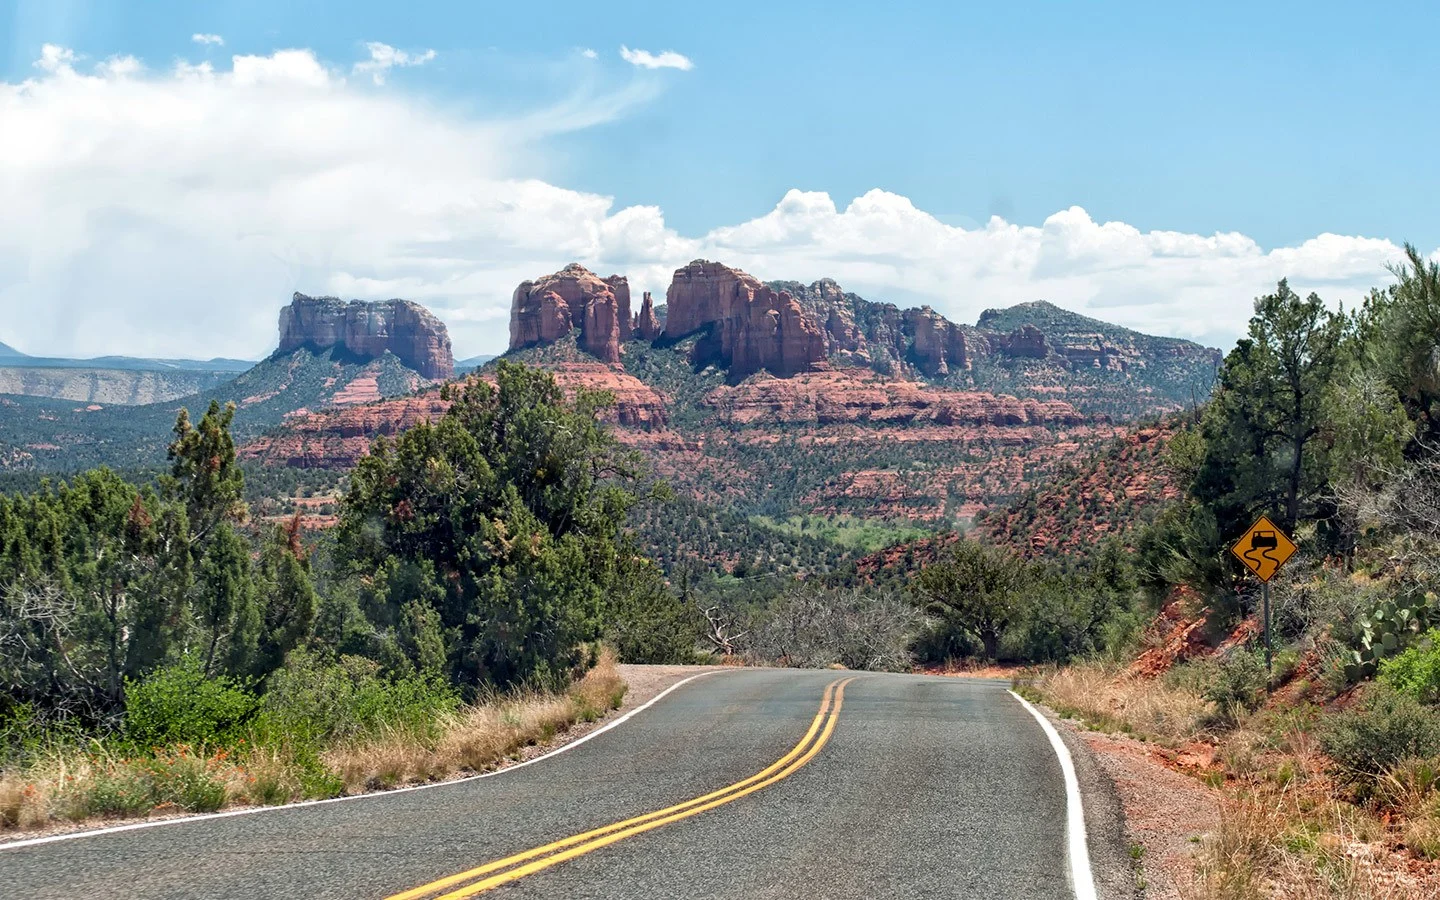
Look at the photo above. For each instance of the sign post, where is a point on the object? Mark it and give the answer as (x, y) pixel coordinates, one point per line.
(1263, 550)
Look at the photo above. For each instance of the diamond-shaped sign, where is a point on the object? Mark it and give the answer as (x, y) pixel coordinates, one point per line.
(1264, 549)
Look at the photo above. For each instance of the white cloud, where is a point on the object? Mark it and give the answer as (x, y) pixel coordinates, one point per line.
(172, 213)
(54, 58)
(384, 57)
(588, 53)
(669, 59)
(214, 40)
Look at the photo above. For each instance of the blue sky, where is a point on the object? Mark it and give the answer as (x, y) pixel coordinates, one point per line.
(1277, 121)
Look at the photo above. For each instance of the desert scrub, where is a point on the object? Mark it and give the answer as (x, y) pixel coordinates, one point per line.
(352, 731)
(1382, 729)
(476, 737)
(1103, 697)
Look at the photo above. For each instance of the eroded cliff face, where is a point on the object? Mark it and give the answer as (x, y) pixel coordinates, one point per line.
(367, 330)
(751, 326)
(647, 324)
(547, 309)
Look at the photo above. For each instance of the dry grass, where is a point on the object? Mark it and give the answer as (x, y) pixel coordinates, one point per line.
(1286, 831)
(1281, 844)
(1107, 699)
(478, 737)
(80, 783)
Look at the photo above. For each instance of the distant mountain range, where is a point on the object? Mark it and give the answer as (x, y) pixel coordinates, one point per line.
(469, 365)
(14, 357)
(125, 380)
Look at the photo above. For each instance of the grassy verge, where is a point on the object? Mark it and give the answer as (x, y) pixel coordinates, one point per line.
(1294, 824)
(74, 781)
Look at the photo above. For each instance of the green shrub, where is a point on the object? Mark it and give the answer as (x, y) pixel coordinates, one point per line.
(180, 705)
(310, 701)
(1239, 679)
(120, 791)
(1416, 671)
(1384, 728)
(185, 780)
(1235, 683)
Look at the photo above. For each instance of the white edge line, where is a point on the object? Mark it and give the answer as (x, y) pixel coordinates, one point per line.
(251, 810)
(1077, 850)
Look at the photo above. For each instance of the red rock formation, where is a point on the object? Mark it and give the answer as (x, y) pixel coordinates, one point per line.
(1027, 341)
(855, 395)
(368, 330)
(752, 327)
(647, 324)
(939, 345)
(336, 439)
(546, 310)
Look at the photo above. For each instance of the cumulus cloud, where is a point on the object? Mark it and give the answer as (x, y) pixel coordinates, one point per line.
(588, 53)
(384, 57)
(53, 58)
(172, 212)
(213, 40)
(669, 59)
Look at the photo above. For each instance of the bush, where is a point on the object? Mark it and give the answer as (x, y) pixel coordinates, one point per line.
(1384, 728)
(180, 705)
(186, 780)
(1239, 679)
(811, 627)
(309, 701)
(1416, 671)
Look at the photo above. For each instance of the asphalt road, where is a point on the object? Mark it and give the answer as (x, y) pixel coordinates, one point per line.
(917, 787)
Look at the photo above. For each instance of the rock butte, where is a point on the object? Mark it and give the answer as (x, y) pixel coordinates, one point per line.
(750, 325)
(547, 309)
(368, 330)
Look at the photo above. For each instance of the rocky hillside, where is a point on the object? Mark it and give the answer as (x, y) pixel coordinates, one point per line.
(1116, 489)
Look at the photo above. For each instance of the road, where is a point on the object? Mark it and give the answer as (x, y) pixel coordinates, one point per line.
(870, 786)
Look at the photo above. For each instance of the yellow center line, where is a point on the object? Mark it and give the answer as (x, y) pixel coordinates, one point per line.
(600, 837)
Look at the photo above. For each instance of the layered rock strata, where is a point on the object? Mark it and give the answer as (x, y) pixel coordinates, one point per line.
(547, 309)
(368, 330)
(749, 326)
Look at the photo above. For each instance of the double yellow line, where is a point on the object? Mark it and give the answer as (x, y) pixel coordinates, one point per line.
(511, 868)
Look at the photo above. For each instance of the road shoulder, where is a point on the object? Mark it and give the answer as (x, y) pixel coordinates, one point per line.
(1145, 821)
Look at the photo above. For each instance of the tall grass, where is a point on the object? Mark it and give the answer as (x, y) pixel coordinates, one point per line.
(77, 781)
(1287, 827)
(1102, 696)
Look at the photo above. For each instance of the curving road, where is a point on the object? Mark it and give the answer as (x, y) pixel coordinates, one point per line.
(741, 784)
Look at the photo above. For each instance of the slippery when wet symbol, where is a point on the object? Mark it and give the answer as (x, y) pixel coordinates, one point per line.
(1264, 549)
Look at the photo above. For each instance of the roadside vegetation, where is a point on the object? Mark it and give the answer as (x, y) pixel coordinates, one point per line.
(1328, 763)
(160, 648)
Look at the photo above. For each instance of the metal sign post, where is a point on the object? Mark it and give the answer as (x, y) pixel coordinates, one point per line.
(1263, 550)
(1265, 590)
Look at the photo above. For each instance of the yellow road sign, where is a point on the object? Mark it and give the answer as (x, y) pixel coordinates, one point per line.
(1264, 549)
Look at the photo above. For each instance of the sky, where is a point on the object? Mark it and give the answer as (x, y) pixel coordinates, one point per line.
(171, 172)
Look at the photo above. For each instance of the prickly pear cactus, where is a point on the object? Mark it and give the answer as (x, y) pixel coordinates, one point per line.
(1386, 630)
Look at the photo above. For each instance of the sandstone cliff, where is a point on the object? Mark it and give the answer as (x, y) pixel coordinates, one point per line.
(750, 326)
(544, 310)
(367, 330)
